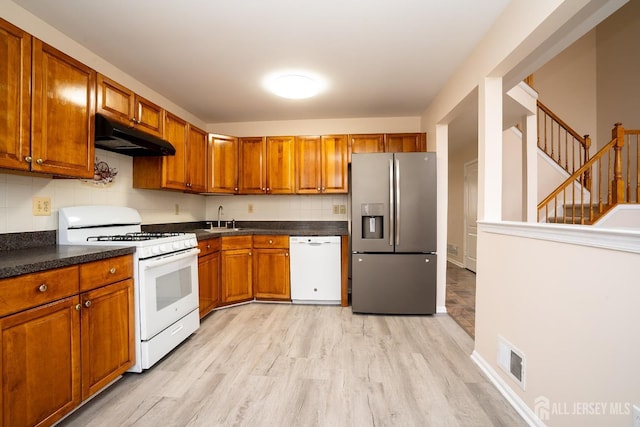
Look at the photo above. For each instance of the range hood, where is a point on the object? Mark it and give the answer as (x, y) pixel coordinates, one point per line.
(119, 138)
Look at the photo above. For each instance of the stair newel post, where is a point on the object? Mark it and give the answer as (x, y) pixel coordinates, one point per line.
(617, 185)
(586, 177)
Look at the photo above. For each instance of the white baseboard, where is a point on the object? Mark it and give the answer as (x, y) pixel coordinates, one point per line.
(455, 262)
(441, 309)
(518, 404)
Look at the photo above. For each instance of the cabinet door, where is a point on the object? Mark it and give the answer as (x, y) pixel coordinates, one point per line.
(366, 143)
(271, 274)
(252, 166)
(209, 282)
(40, 378)
(197, 160)
(62, 120)
(223, 164)
(115, 101)
(236, 276)
(280, 165)
(405, 142)
(334, 164)
(107, 335)
(15, 96)
(308, 164)
(149, 117)
(174, 172)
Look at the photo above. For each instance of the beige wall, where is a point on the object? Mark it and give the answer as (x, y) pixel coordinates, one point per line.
(567, 85)
(618, 64)
(319, 127)
(574, 320)
(512, 175)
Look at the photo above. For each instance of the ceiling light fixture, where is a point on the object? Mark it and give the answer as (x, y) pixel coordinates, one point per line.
(294, 85)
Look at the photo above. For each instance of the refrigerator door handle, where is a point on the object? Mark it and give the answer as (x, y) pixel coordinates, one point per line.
(391, 202)
(397, 191)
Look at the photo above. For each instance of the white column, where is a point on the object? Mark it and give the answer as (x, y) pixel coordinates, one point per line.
(490, 149)
(530, 169)
(442, 155)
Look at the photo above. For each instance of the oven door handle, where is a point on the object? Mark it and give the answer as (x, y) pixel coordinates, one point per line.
(170, 258)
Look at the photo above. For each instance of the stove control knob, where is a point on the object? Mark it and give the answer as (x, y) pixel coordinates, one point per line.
(163, 248)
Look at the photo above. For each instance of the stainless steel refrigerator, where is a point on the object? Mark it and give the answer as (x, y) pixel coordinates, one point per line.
(393, 231)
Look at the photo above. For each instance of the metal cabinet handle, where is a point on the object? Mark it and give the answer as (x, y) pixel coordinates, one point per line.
(39, 161)
(270, 242)
(250, 253)
(286, 254)
(112, 270)
(43, 288)
(268, 189)
(28, 159)
(324, 189)
(78, 307)
(208, 246)
(87, 303)
(318, 188)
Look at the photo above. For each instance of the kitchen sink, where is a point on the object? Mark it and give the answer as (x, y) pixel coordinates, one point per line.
(220, 230)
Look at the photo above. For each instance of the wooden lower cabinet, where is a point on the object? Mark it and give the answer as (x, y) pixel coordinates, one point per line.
(271, 268)
(237, 256)
(40, 364)
(107, 335)
(209, 275)
(56, 353)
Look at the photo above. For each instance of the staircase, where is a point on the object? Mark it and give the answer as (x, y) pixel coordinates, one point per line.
(609, 178)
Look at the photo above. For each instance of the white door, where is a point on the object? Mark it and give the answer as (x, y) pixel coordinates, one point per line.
(470, 214)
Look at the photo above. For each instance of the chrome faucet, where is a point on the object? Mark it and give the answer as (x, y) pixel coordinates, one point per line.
(219, 213)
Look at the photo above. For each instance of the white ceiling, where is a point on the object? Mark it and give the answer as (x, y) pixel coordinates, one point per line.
(382, 58)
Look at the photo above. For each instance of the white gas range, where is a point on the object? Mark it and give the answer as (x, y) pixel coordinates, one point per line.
(165, 274)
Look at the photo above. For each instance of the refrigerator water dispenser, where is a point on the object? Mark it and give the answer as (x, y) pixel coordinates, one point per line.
(372, 220)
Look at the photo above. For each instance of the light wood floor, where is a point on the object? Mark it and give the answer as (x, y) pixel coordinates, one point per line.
(294, 365)
(461, 297)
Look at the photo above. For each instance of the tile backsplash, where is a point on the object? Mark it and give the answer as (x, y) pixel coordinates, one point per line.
(155, 206)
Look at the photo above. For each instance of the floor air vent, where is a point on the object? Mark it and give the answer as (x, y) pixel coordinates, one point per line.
(512, 361)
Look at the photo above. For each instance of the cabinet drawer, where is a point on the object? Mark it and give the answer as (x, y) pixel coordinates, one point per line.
(209, 246)
(30, 290)
(236, 242)
(100, 273)
(270, 241)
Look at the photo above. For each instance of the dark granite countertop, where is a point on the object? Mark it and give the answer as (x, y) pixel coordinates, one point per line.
(30, 260)
(289, 228)
(23, 253)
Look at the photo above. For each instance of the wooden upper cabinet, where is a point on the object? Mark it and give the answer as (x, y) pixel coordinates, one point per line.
(149, 117)
(308, 165)
(366, 143)
(63, 110)
(405, 142)
(280, 162)
(223, 164)
(252, 177)
(335, 164)
(267, 165)
(123, 105)
(175, 167)
(197, 160)
(15, 96)
(321, 164)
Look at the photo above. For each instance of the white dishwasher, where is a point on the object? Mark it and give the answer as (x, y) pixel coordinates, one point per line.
(315, 266)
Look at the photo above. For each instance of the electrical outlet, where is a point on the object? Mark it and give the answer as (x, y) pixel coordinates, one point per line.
(336, 209)
(42, 206)
(177, 209)
(250, 208)
(343, 209)
(636, 416)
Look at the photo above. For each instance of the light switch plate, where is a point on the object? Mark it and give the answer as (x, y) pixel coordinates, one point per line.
(42, 206)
